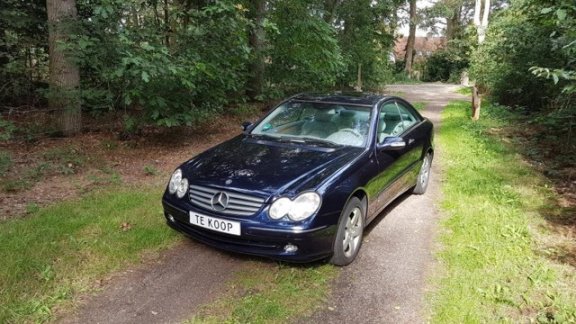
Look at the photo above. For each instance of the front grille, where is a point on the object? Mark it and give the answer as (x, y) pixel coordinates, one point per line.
(238, 204)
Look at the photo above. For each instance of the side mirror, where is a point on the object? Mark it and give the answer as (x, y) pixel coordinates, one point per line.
(392, 143)
(246, 125)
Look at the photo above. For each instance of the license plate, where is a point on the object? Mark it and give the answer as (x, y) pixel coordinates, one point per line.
(215, 224)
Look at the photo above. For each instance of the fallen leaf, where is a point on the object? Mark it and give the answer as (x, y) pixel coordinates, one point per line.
(126, 226)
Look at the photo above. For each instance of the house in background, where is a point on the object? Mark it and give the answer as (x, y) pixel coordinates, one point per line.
(423, 47)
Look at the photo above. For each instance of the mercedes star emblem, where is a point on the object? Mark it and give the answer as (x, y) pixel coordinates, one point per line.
(219, 201)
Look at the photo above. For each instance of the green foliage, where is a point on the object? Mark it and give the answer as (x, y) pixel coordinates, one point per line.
(448, 64)
(366, 41)
(177, 62)
(518, 39)
(563, 14)
(174, 78)
(23, 51)
(304, 51)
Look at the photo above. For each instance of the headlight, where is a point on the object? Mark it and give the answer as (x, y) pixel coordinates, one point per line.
(280, 208)
(181, 191)
(300, 208)
(304, 206)
(178, 185)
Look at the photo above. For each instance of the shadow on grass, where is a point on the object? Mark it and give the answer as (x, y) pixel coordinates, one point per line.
(562, 222)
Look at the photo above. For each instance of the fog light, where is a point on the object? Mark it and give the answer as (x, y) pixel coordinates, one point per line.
(290, 248)
(171, 218)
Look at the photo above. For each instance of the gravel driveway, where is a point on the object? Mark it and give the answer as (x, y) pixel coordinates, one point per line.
(387, 282)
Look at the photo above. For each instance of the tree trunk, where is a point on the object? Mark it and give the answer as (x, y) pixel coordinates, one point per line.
(166, 24)
(64, 73)
(453, 23)
(481, 26)
(257, 67)
(411, 39)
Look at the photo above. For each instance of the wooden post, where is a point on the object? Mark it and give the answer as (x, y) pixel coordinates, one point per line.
(476, 103)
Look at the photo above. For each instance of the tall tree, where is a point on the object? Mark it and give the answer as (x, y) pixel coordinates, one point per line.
(64, 73)
(257, 13)
(481, 26)
(411, 38)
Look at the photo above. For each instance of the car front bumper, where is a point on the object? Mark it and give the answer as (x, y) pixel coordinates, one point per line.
(313, 244)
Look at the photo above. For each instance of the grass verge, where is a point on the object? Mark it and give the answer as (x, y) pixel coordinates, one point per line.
(419, 105)
(496, 264)
(467, 91)
(64, 249)
(270, 293)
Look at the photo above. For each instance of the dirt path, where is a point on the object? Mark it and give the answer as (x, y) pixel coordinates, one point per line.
(387, 283)
(167, 291)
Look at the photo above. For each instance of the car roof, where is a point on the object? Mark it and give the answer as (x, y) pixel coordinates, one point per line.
(353, 98)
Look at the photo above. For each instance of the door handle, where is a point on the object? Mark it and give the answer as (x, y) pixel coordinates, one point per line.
(410, 141)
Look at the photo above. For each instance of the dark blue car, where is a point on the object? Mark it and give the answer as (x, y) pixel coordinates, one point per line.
(303, 182)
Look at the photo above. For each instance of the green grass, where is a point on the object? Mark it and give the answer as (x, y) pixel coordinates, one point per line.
(270, 293)
(419, 105)
(467, 91)
(402, 78)
(5, 162)
(57, 252)
(496, 268)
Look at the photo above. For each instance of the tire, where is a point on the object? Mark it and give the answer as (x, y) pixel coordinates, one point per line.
(423, 176)
(350, 233)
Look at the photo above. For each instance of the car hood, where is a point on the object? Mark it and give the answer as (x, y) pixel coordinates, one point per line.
(267, 166)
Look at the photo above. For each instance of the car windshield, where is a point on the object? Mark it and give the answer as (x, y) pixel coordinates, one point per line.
(338, 124)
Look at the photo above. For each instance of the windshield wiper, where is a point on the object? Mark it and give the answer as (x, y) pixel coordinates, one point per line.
(312, 141)
(309, 141)
(260, 136)
(320, 141)
(292, 139)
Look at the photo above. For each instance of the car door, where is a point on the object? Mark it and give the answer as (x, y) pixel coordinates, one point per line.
(415, 137)
(395, 151)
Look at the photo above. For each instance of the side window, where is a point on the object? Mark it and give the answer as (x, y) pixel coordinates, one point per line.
(407, 119)
(388, 118)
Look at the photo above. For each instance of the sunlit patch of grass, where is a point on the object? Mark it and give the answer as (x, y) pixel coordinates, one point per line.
(270, 293)
(467, 91)
(59, 251)
(494, 268)
(419, 105)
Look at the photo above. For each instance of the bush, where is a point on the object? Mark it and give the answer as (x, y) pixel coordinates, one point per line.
(172, 80)
(517, 39)
(445, 65)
